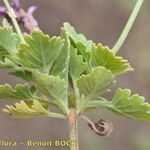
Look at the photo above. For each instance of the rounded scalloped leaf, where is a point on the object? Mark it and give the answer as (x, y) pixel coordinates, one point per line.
(26, 110)
(132, 106)
(39, 51)
(103, 56)
(96, 83)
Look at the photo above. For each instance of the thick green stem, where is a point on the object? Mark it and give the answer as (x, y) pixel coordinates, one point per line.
(13, 18)
(73, 126)
(77, 94)
(128, 26)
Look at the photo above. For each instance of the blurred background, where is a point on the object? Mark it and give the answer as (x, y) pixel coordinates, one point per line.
(102, 21)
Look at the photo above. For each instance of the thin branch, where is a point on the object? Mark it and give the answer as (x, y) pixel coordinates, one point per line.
(13, 18)
(128, 26)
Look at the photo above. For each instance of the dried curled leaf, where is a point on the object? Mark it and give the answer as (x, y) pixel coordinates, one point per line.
(102, 127)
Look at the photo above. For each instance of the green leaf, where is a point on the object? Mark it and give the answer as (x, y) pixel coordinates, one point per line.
(29, 110)
(8, 40)
(26, 75)
(125, 104)
(96, 83)
(58, 67)
(103, 56)
(77, 66)
(7, 63)
(132, 106)
(40, 51)
(26, 110)
(71, 100)
(61, 64)
(79, 41)
(21, 91)
(54, 88)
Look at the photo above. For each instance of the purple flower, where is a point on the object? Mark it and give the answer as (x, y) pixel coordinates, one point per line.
(3, 10)
(31, 10)
(15, 4)
(25, 17)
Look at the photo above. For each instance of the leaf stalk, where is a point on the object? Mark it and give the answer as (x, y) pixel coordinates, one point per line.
(128, 26)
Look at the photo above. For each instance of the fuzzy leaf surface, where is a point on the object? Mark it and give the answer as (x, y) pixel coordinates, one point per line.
(132, 106)
(54, 88)
(79, 41)
(40, 51)
(77, 66)
(61, 64)
(96, 83)
(8, 40)
(26, 110)
(58, 68)
(125, 104)
(6, 63)
(103, 56)
(21, 91)
(26, 75)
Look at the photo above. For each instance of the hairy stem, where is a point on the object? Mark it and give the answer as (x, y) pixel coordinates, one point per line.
(13, 18)
(128, 26)
(73, 125)
(77, 94)
(67, 46)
